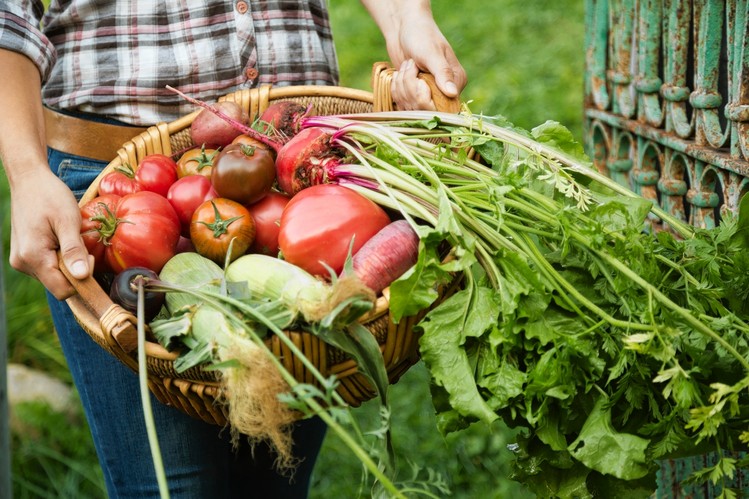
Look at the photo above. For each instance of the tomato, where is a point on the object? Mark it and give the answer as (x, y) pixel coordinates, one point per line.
(266, 214)
(248, 140)
(93, 215)
(186, 194)
(156, 173)
(218, 222)
(146, 232)
(319, 223)
(121, 182)
(243, 173)
(196, 162)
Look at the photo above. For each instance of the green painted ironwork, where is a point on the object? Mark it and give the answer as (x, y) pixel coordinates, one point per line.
(667, 114)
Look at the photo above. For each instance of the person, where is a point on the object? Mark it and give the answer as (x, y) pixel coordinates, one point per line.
(99, 62)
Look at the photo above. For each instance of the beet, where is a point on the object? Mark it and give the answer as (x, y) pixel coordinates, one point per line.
(211, 130)
(307, 159)
(284, 119)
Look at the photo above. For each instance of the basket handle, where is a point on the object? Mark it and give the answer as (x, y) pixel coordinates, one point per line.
(112, 326)
(382, 75)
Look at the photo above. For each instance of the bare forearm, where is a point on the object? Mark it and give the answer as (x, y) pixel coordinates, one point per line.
(45, 218)
(22, 142)
(391, 15)
(415, 43)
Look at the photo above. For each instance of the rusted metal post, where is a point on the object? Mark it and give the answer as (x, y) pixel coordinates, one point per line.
(667, 114)
(5, 466)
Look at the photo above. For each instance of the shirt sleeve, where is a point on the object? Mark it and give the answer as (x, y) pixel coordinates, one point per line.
(20, 32)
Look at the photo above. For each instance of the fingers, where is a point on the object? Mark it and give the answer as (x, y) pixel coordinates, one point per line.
(450, 79)
(36, 239)
(408, 91)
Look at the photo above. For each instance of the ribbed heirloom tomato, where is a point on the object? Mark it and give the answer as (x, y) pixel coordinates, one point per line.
(319, 222)
(93, 215)
(138, 230)
(121, 182)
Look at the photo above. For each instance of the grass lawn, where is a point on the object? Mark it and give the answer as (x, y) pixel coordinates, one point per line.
(524, 61)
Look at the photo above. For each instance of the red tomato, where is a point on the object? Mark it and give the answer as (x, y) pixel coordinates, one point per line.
(156, 173)
(243, 173)
(93, 215)
(186, 194)
(218, 222)
(319, 223)
(196, 162)
(121, 182)
(266, 214)
(146, 233)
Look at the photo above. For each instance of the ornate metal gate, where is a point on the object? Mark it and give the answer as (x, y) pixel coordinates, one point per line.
(667, 113)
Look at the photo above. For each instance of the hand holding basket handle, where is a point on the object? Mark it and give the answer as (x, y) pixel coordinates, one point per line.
(382, 76)
(442, 102)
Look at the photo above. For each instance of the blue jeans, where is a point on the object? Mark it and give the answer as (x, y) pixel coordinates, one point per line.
(199, 459)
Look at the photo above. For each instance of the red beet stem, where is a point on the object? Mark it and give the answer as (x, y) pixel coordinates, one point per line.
(239, 126)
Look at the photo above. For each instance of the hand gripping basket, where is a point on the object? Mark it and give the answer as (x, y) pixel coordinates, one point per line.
(196, 391)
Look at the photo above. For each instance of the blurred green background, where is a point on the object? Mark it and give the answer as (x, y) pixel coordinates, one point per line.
(525, 61)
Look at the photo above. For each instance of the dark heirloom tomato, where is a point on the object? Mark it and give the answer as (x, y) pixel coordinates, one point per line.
(156, 173)
(146, 232)
(243, 173)
(197, 161)
(121, 182)
(319, 223)
(186, 194)
(266, 214)
(218, 222)
(93, 215)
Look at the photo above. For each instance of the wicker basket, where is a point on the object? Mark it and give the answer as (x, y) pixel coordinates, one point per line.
(196, 391)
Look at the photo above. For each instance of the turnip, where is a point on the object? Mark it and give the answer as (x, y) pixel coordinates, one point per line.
(211, 130)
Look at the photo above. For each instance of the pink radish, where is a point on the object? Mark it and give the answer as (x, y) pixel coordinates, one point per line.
(387, 255)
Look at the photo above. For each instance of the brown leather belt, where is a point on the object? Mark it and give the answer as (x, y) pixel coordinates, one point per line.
(86, 138)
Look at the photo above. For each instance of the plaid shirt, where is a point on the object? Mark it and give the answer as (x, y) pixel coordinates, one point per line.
(114, 58)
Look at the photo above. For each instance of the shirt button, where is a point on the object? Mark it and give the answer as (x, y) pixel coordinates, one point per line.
(251, 73)
(241, 7)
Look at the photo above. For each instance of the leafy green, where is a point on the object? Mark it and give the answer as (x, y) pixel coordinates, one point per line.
(600, 447)
(613, 333)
